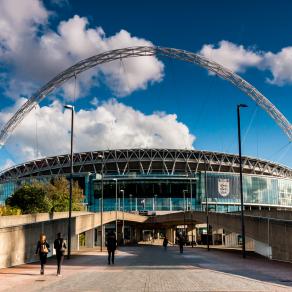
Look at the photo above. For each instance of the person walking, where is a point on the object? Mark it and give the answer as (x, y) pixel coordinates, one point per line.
(181, 243)
(111, 245)
(60, 247)
(165, 243)
(42, 249)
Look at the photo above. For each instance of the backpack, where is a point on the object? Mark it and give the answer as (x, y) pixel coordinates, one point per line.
(63, 246)
(60, 245)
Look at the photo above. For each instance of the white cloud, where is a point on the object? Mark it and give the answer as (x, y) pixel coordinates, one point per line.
(234, 57)
(35, 54)
(110, 125)
(280, 65)
(238, 59)
(19, 19)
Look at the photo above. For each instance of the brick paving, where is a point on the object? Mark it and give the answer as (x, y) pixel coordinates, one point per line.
(150, 268)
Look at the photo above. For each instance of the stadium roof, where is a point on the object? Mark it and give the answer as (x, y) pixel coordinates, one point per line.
(144, 161)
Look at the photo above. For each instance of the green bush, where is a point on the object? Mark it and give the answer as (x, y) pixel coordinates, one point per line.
(8, 211)
(46, 197)
(30, 198)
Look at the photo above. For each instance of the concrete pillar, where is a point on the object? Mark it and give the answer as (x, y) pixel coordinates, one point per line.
(174, 235)
(190, 232)
(98, 242)
(89, 238)
(170, 233)
(75, 242)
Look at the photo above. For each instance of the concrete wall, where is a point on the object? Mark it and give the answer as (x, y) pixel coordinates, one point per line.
(16, 220)
(276, 233)
(231, 240)
(19, 234)
(18, 243)
(280, 239)
(263, 249)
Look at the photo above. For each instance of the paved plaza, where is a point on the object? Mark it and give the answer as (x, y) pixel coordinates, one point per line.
(150, 268)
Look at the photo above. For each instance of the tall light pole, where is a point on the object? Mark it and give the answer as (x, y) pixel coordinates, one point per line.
(101, 207)
(207, 205)
(115, 179)
(101, 215)
(70, 107)
(184, 192)
(240, 179)
(191, 210)
(123, 227)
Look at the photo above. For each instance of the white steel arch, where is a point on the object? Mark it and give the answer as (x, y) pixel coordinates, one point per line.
(119, 54)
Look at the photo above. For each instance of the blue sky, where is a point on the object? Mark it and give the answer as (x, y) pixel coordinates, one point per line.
(253, 38)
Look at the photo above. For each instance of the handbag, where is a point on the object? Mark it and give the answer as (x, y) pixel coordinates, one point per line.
(44, 248)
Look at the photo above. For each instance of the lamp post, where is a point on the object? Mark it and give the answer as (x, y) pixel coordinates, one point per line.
(240, 179)
(116, 180)
(70, 107)
(191, 210)
(101, 207)
(207, 206)
(123, 226)
(184, 192)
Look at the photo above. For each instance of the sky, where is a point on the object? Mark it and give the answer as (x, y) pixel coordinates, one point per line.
(146, 101)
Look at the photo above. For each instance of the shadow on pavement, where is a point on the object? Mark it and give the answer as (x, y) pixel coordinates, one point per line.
(155, 258)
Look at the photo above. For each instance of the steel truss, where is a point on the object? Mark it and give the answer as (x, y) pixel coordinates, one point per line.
(144, 162)
(143, 51)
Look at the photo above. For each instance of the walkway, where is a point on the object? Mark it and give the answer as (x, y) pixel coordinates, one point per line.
(150, 268)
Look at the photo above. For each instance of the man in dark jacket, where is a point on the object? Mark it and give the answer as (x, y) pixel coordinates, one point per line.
(111, 245)
(60, 247)
(181, 242)
(165, 243)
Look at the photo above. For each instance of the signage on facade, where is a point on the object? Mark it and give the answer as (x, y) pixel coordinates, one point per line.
(223, 187)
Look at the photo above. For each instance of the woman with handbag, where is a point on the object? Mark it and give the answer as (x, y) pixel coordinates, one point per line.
(42, 250)
(60, 247)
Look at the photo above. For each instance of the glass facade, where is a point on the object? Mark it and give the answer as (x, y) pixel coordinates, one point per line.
(144, 193)
(176, 193)
(6, 190)
(159, 192)
(223, 188)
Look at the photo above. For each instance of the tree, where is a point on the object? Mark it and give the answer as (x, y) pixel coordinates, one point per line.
(30, 198)
(58, 193)
(46, 197)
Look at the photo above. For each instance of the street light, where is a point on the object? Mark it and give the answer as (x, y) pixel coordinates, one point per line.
(240, 178)
(184, 192)
(123, 227)
(207, 204)
(116, 180)
(191, 209)
(101, 206)
(70, 107)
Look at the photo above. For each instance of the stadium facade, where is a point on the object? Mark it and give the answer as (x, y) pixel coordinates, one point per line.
(161, 179)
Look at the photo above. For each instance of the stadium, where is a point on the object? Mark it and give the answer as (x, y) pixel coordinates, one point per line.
(161, 180)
